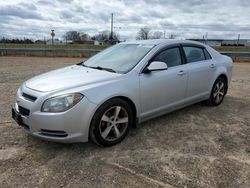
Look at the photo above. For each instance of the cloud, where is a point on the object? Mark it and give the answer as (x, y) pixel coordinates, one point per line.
(192, 18)
(21, 10)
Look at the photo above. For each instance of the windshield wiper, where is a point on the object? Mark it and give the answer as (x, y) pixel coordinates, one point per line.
(98, 67)
(103, 68)
(82, 64)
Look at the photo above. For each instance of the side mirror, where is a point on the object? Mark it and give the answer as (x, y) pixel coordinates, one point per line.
(156, 65)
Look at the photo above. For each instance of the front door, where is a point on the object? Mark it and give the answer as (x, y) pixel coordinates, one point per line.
(163, 89)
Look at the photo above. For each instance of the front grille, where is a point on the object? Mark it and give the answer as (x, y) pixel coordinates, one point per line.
(29, 97)
(53, 133)
(23, 111)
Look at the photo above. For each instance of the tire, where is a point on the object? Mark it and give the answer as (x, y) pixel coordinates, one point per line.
(218, 92)
(111, 122)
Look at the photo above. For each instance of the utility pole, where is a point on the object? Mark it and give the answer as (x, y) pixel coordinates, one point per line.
(111, 29)
(164, 34)
(206, 38)
(52, 36)
(44, 45)
(24, 41)
(24, 45)
(238, 40)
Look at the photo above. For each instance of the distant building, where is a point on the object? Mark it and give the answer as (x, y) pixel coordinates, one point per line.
(39, 42)
(68, 42)
(96, 42)
(88, 42)
(56, 41)
(223, 42)
(241, 42)
(210, 42)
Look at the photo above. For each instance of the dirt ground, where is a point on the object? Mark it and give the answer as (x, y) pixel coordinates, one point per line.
(198, 146)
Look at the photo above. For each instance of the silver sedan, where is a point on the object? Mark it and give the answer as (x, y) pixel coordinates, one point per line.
(131, 82)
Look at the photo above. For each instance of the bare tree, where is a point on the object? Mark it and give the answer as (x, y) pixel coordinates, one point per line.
(143, 34)
(72, 35)
(84, 37)
(157, 35)
(172, 36)
(104, 36)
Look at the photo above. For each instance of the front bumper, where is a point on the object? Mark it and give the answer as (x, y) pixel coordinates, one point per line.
(67, 127)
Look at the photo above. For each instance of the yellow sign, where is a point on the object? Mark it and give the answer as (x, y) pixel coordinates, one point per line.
(52, 33)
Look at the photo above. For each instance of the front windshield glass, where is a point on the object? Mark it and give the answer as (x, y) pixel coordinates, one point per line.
(120, 58)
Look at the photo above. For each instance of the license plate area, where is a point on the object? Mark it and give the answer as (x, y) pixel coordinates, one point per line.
(17, 117)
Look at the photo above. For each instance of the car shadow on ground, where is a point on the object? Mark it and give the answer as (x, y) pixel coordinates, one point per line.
(150, 127)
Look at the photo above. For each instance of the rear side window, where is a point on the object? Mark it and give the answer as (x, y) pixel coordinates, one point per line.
(194, 54)
(171, 57)
(207, 55)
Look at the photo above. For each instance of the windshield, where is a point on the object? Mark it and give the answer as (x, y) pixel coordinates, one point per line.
(120, 58)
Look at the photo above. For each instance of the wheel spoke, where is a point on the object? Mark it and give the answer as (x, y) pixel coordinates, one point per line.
(215, 94)
(221, 93)
(117, 132)
(218, 98)
(106, 131)
(106, 119)
(117, 111)
(122, 120)
(221, 86)
(217, 87)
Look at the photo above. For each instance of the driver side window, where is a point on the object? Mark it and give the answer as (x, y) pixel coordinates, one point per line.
(171, 57)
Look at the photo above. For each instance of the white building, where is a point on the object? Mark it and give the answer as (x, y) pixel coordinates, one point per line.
(56, 41)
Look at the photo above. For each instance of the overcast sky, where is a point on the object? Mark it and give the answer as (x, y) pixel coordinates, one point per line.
(187, 19)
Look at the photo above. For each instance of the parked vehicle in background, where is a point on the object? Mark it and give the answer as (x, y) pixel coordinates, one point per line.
(103, 97)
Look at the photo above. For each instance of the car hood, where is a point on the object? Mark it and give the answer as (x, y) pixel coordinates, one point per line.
(68, 77)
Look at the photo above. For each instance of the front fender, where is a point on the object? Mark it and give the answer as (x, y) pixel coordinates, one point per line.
(127, 87)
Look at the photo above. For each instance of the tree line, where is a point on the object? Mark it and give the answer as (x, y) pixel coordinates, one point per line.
(16, 41)
(103, 36)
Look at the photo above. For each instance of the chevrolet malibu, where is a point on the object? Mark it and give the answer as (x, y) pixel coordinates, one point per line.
(102, 98)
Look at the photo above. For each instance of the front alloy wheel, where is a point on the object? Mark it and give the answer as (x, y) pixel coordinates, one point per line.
(114, 123)
(111, 122)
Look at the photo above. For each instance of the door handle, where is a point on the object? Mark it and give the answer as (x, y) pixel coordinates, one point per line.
(212, 65)
(180, 73)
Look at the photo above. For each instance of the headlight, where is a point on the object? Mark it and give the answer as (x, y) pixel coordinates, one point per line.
(61, 103)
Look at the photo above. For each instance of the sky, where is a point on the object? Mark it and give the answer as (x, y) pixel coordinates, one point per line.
(182, 18)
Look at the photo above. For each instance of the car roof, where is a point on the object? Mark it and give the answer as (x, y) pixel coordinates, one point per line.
(163, 41)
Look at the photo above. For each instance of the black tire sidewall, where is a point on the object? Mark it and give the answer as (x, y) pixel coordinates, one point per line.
(94, 127)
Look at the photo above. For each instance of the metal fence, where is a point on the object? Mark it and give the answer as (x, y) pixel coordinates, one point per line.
(236, 54)
(48, 52)
(76, 52)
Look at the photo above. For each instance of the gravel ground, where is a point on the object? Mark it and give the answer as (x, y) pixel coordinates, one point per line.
(197, 146)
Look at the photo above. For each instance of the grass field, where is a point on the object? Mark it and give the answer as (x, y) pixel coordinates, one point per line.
(97, 47)
(90, 46)
(62, 46)
(100, 47)
(233, 48)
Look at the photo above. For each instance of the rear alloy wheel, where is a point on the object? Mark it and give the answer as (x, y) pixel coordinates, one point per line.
(218, 92)
(111, 122)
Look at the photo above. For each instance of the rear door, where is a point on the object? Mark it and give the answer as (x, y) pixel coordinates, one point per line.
(201, 69)
(163, 89)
